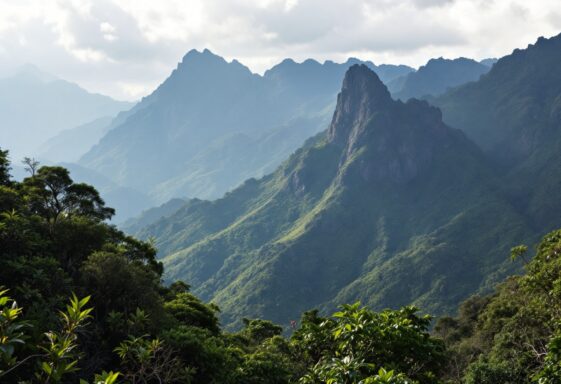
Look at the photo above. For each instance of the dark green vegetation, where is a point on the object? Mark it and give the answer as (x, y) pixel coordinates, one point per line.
(513, 335)
(54, 242)
(213, 124)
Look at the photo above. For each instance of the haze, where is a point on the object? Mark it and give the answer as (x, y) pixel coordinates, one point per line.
(125, 48)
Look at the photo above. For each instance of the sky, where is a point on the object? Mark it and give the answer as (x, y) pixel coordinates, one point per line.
(125, 48)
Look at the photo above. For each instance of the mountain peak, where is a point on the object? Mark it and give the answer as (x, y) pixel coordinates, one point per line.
(362, 94)
(204, 55)
(204, 63)
(32, 72)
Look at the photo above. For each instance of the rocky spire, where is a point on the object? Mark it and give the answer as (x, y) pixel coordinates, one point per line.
(361, 96)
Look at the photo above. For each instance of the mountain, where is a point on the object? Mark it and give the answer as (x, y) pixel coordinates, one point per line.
(213, 124)
(489, 62)
(70, 144)
(514, 114)
(152, 215)
(36, 106)
(390, 206)
(437, 76)
(127, 199)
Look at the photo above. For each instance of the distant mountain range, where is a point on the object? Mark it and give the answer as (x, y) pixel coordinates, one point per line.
(391, 205)
(73, 143)
(36, 106)
(436, 77)
(213, 124)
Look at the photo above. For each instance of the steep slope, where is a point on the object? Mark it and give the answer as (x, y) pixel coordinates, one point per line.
(435, 77)
(514, 114)
(390, 206)
(213, 124)
(36, 106)
(152, 215)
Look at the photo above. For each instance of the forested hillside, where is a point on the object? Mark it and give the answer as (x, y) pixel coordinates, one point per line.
(513, 114)
(82, 302)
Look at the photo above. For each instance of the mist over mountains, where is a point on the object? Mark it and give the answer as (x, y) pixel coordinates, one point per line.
(436, 77)
(213, 124)
(37, 106)
(185, 148)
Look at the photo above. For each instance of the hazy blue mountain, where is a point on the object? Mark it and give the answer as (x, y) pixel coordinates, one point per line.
(36, 106)
(390, 206)
(129, 200)
(213, 124)
(70, 144)
(437, 76)
(489, 62)
(152, 215)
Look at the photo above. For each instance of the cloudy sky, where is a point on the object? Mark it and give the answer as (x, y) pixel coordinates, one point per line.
(124, 48)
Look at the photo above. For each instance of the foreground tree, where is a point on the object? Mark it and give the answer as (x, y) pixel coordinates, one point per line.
(511, 336)
(358, 345)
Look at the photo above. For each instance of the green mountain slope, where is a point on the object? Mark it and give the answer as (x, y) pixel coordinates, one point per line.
(508, 112)
(390, 206)
(514, 114)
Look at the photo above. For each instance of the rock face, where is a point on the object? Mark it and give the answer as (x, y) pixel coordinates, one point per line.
(362, 96)
(398, 139)
(390, 206)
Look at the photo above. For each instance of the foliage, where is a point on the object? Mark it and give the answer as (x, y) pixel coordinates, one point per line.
(189, 310)
(61, 357)
(147, 360)
(512, 335)
(551, 370)
(366, 346)
(139, 331)
(11, 333)
(57, 357)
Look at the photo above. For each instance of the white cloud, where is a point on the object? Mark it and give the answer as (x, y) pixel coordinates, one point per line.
(126, 47)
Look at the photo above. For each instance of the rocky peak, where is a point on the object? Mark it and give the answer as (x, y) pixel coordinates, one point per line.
(204, 60)
(362, 95)
(383, 140)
